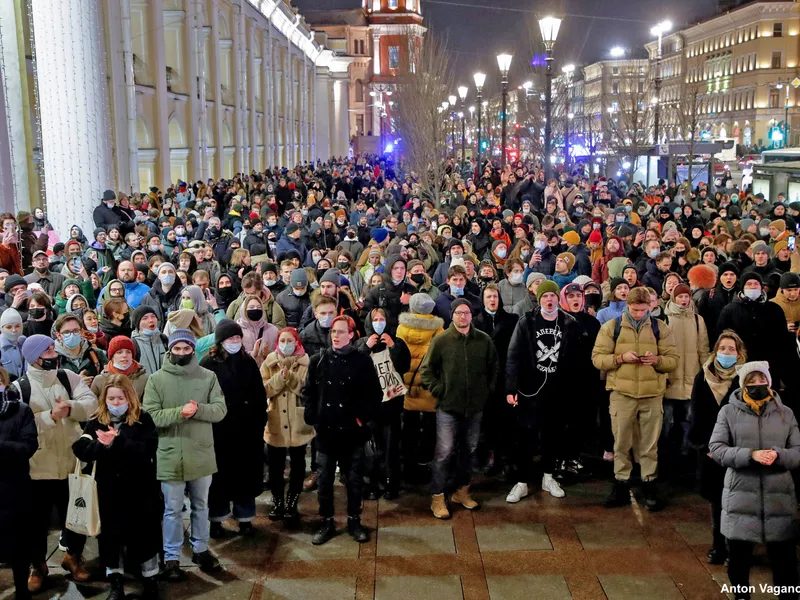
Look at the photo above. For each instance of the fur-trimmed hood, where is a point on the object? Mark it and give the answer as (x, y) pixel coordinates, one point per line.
(427, 322)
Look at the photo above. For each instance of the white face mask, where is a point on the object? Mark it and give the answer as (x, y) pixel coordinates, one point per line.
(286, 348)
(232, 347)
(752, 294)
(515, 278)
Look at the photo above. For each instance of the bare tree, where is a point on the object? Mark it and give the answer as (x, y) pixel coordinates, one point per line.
(687, 115)
(630, 125)
(416, 106)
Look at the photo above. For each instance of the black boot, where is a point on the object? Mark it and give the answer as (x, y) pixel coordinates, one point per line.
(357, 530)
(246, 529)
(391, 491)
(216, 531)
(277, 513)
(117, 591)
(325, 532)
(620, 494)
(371, 493)
(149, 589)
(717, 556)
(291, 506)
(652, 500)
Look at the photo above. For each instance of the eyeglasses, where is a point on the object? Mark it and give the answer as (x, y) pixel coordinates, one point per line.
(463, 313)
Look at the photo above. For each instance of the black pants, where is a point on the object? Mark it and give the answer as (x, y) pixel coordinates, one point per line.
(276, 456)
(314, 464)
(716, 520)
(45, 494)
(782, 556)
(538, 432)
(419, 438)
(351, 465)
(494, 429)
(386, 463)
(19, 569)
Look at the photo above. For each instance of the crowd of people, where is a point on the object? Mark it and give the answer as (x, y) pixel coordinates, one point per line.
(535, 329)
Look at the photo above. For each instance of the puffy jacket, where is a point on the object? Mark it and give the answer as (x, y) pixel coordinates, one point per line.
(417, 331)
(150, 350)
(635, 379)
(293, 306)
(691, 340)
(613, 311)
(790, 309)
(286, 422)
(185, 446)
(511, 294)
(54, 459)
(758, 502)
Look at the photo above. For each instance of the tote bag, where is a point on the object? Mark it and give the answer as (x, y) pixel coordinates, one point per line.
(391, 383)
(83, 511)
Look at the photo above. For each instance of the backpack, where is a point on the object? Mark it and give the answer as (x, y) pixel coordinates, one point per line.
(653, 325)
(24, 385)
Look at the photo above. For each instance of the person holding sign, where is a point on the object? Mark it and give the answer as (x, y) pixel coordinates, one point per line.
(392, 360)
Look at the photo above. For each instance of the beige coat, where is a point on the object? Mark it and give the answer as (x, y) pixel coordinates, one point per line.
(138, 378)
(286, 424)
(691, 340)
(635, 379)
(54, 458)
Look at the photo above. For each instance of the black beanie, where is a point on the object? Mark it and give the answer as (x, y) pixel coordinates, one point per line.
(226, 329)
(615, 282)
(140, 313)
(728, 266)
(457, 303)
(751, 275)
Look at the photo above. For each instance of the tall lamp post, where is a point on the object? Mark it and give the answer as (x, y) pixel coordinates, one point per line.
(504, 63)
(471, 121)
(568, 70)
(452, 101)
(549, 27)
(658, 31)
(462, 93)
(445, 106)
(480, 79)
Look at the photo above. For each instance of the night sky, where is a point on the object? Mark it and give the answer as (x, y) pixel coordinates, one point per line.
(590, 28)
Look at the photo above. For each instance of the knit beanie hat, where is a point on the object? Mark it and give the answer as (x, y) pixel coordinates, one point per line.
(582, 280)
(572, 238)
(614, 283)
(759, 246)
(729, 266)
(35, 346)
(330, 276)
(681, 288)
(181, 335)
(546, 286)
(596, 237)
(298, 278)
(615, 266)
(568, 258)
(13, 281)
(140, 313)
(226, 329)
(779, 246)
(534, 277)
(457, 303)
(754, 366)
(421, 304)
(789, 281)
(379, 234)
(752, 275)
(120, 342)
(746, 223)
(779, 224)
(10, 317)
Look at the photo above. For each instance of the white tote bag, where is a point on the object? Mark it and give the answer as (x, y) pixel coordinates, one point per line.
(83, 511)
(391, 382)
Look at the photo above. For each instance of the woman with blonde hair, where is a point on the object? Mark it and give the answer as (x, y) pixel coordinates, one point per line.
(121, 439)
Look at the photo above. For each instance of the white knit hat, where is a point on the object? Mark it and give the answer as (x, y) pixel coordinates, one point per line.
(10, 317)
(755, 366)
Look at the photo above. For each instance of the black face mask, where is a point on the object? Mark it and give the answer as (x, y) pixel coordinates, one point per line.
(226, 293)
(180, 359)
(758, 392)
(593, 300)
(418, 278)
(255, 314)
(49, 364)
(36, 313)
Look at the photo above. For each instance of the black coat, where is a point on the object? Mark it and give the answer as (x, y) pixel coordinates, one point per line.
(704, 411)
(293, 306)
(239, 437)
(128, 493)
(18, 443)
(315, 338)
(653, 277)
(387, 296)
(710, 305)
(342, 394)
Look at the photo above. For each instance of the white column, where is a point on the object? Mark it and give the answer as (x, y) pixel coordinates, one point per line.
(251, 99)
(376, 113)
(218, 169)
(266, 96)
(76, 140)
(193, 122)
(291, 157)
(322, 125)
(340, 135)
(159, 60)
(238, 96)
(376, 54)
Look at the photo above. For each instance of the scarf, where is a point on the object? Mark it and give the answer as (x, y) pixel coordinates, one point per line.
(719, 380)
(135, 366)
(637, 324)
(756, 405)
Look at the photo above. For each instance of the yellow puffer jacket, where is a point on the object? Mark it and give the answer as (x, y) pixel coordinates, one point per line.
(635, 379)
(691, 341)
(417, 331)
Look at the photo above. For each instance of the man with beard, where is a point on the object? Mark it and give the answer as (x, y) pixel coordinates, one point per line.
(134, 291)
(50, 281)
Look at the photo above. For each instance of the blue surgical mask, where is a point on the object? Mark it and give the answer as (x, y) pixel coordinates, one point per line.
(149, 332)
(121, 367)
(379, 326)
(620, 218)
(491, 312)
(117, 411)
(752, 294)
(726, 361)
(287, 348)
(456, 291)
(326, 321)
(501, 252)
(71, 340)
(231, 347)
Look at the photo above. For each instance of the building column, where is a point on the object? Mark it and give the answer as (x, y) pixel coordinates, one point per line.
(312, 127)
(238, 96)
(377, 101)
(322, 124)
(340, 142)
(219, 155)
(76, 128)
(291, 159)
(266, 95)
(159, 60)
(251, 98)
(193, 168)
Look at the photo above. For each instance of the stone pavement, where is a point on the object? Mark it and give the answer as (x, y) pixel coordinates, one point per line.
(541, 548)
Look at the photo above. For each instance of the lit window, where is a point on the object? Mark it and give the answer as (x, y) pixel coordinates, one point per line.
(394, 57)
(393, 4)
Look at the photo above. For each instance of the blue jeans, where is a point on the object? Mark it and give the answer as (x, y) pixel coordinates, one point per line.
(244, 511)
(173, 519)
(456, 436)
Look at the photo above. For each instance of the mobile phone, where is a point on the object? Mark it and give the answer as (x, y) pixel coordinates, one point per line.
(790, 244)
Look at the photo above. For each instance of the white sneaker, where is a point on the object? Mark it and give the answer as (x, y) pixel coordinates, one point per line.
(551, 486)
(517, 493)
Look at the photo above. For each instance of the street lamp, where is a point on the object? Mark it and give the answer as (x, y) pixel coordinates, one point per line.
(658, 31)
(504, 64)
(462, 93)
(479, 79)
(549, 27)
(617, 52)
(452, 102)
(568, 70)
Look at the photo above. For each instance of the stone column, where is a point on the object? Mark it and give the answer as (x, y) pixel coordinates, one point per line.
(322, 125)
(76, 137)
(159, 60)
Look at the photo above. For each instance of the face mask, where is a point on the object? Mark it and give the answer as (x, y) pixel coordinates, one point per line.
(752, 294)
(71, 340)
(326, 321)
(11, 336)
(167, 279)
(351, 236)
(595, 225)
(653, 253)
(93, 329)
(149, 332)
(232, 348)
(525, 253)
(758, 392)
(550, 313)
(117, 411)
(515, 278)
(628, 208)
(446, 236)
(540, 245)
(619, 218)
(180, 232)
(456, 291)
(298, 292)
(379, 326)
(501, 253)
(254, 314)
(187, 303)
(343, 266)
(316, 259)
(525, 211)
(120, 366)
(578, 211)
(763, 231)
(726, 361)
(304, 212)
(49, 364)
(287, 349)
(111, 204)
(154, 248)
(180, 360)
